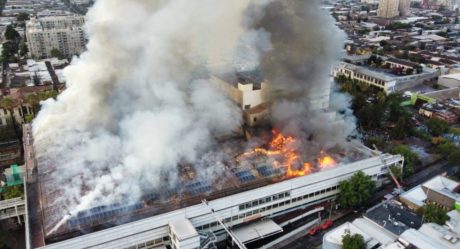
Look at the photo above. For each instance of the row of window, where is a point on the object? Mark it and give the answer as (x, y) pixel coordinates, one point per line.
(264, 200)
(150, 244)
(263, 209)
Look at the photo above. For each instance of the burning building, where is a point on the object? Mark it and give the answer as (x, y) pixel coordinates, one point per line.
(245, 193)
(154, 145)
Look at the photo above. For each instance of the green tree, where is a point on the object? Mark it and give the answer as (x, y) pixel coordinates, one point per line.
(399, 131)
(356, 190)
(355, 241)
(410, 158)
(434, 214)
(23, 49)
(12, 192)
(437, 127)
(21, 17)
(449, 150)
(57, 53)
(9, 51)
(11, 34)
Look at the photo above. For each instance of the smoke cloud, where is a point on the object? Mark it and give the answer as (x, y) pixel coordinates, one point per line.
(139, 102)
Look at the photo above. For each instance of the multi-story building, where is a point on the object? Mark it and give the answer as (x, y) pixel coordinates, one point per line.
(393, 8)
(388, 8)
(64, 33)
(404, 7)
(381, 79)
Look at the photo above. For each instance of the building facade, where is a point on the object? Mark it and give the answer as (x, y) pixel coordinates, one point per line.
(64, 33)
(388, 8)
(404, 7)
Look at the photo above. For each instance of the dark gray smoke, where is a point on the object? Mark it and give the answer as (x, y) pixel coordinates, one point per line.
(305, 44)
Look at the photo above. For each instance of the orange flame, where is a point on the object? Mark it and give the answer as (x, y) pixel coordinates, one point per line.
(283, 150)
(326, 161)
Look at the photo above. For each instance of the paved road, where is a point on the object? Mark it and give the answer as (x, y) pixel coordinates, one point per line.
(309, 242)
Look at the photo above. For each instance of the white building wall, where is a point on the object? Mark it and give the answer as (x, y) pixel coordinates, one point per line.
(388, 8)
(64, 33)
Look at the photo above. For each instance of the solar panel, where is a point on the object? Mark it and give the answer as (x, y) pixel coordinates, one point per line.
(198, 187)
(102, 213)
(245, 176)
(267, 170)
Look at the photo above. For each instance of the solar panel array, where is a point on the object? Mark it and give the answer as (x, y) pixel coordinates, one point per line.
(245, 176)
(266, 171)
(102, 213)
(198, 187)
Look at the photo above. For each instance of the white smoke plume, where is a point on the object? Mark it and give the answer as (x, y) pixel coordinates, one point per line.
(139, 101)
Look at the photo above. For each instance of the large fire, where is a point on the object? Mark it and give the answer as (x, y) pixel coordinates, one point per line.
(284, 152)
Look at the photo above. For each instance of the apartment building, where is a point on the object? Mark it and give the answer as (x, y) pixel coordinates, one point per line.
(64, 33)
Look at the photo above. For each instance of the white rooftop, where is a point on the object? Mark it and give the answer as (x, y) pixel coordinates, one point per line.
(441, 235)
(257, 230)
(183, 229)
(415, 195)
(430, 37)
(420, 240)
(333, 238)
(443, 185)
(454, 222)
(455, 76)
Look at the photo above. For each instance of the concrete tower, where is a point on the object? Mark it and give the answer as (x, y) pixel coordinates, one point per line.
(388, 8)
(404, 7)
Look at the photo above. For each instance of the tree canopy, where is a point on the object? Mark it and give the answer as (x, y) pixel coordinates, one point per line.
(410, 159)
(355, 241)
(12, 192)
(434, 214)
(437, 127)
(11, 34)
(356, 190)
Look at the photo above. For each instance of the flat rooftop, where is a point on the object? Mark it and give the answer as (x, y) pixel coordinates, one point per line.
(394, 217)
(236, 177)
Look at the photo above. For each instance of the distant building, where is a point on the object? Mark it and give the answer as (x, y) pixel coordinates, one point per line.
(388, 8)
(404, 7)
(64, 33)
(393, 8)
(391, 225)
(439, 190)
(381, 79)
(449, 80)
(438, 111)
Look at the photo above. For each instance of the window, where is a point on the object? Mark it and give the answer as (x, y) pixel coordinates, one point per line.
(242, 207)
(268, 199)
(246, 107)
(234, 218)
(255, 203)
(275, 205)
